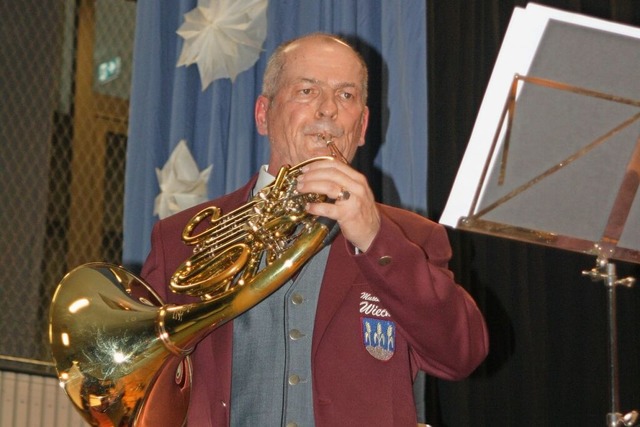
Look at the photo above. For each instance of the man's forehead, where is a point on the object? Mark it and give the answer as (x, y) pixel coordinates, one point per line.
(310, 68)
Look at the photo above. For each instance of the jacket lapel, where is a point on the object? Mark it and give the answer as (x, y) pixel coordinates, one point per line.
(339, 275)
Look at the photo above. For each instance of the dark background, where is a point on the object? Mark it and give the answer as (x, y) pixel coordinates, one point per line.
(548, 362)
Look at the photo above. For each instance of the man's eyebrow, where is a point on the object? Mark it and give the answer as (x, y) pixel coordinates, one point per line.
(340, 85)
(346, 84)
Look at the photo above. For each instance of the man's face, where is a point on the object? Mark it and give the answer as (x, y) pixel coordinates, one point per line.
(319, 96)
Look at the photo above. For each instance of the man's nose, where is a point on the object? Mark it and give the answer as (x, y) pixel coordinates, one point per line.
(327, 107)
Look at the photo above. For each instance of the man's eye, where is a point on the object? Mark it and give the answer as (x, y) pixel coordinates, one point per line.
(306, 91)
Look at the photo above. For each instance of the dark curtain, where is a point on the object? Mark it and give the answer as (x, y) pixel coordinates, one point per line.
(548, 363)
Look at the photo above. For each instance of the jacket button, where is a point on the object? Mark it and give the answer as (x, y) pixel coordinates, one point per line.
(384, 260)
(294, 379)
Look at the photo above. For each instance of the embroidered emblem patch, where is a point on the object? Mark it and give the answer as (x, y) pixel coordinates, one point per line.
(379, 337)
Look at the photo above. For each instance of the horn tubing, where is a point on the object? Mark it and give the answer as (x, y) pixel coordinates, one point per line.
(185, 325)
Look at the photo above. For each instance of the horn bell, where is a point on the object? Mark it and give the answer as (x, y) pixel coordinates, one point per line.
(108, 353)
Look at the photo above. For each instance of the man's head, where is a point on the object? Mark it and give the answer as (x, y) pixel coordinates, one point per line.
(314, 88)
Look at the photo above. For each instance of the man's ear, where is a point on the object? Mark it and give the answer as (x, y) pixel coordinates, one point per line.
(260, 113)
(364, 124)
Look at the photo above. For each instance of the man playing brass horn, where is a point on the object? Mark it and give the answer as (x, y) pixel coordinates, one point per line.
(341, 342)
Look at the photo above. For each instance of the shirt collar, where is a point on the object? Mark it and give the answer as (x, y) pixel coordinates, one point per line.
(264, 179)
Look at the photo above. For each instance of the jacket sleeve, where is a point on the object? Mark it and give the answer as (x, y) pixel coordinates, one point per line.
(153, 269)
(408, 268)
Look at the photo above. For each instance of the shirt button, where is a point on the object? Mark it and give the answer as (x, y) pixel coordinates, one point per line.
(294, 379)
(384, 260)
(296, 298)
(295, 334)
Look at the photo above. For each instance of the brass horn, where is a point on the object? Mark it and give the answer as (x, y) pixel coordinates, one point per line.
(114, 340)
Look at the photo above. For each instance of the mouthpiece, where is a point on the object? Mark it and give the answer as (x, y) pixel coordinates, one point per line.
(332, 146)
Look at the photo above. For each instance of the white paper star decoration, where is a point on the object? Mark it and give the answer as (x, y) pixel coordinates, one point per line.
(181, 184)
(224, 37)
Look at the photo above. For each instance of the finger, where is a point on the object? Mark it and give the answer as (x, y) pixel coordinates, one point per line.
(339, 183)
(327, 210)
(334, 185)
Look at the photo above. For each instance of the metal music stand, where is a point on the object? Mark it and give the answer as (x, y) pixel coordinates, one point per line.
(554, 157)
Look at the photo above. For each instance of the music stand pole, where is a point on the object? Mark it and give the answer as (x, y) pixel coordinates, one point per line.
(606, 271)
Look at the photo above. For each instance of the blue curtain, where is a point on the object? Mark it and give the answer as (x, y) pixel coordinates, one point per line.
(168, 103)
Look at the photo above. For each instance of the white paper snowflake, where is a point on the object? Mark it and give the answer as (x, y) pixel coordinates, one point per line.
(224, 37)
(182, 185)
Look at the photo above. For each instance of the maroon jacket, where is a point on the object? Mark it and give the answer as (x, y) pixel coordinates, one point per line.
(404, 273)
